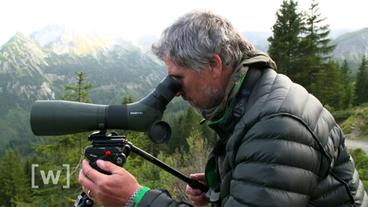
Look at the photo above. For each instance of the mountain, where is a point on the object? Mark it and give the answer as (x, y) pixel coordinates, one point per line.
(21, 82)
(21, 76)
(115, 70)
(351, 47)
(48, 34)
(62, 40)
(38, 67)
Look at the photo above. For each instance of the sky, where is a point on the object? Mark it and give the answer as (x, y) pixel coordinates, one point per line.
(132, 19)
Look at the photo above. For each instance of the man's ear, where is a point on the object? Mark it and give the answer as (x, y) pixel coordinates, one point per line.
(216, 66)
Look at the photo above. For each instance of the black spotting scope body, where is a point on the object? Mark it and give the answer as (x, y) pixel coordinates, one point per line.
(58, 117)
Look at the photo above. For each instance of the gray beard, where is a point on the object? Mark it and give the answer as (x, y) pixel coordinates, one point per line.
(217, 98)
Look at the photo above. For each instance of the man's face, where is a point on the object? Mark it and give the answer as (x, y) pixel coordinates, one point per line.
(199, 88)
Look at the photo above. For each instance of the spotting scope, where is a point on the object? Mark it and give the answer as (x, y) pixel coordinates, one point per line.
(58, 117)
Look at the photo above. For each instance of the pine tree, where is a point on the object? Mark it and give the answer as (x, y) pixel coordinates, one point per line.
(361, 86)
(329, 86)
(183, 126)
(301, 47)
(317, 41)
(127, 99)
(13, 180)
(316, 46)
(182, 129)
(78, 92)
(348, 85)
(285, 41)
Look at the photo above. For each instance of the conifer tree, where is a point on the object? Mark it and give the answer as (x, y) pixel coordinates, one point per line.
(127, 99)
(348, 85)
(301, 47)
(285, 41)
(317, 41)
(13, 180)
(182, 129)
(361, 86)
(315, 45)
(78, 92)
(329, 86)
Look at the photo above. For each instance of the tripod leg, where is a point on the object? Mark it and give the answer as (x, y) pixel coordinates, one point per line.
(83, 201)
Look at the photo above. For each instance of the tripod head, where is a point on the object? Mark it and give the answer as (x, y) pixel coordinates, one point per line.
(116, 149)
(108, 147)
(105, 146)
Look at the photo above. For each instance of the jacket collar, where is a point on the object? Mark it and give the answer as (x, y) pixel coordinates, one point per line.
(224, 117)
(224, 126)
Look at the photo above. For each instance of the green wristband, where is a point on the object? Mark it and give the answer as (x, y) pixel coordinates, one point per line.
(138, 197)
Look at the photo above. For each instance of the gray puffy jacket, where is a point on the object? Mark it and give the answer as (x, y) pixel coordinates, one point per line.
(280, 147)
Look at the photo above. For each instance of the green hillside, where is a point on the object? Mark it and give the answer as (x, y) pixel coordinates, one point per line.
(354, 122)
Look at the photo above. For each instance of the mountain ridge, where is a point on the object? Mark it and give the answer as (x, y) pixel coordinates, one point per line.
(20, 71)
(351, 46)
(103, 60)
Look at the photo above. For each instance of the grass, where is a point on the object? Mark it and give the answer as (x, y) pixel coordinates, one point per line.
(354, 122)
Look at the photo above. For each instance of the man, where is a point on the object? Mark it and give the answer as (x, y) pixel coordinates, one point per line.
(277, 145)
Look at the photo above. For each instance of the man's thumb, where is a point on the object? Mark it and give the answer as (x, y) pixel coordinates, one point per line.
(107, 166)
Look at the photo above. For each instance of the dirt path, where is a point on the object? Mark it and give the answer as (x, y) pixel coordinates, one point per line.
(353, 144)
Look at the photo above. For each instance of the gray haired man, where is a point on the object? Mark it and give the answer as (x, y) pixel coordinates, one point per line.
(277, 146)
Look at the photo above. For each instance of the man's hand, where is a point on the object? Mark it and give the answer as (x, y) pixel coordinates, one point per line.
(107, 190)
(195, 195)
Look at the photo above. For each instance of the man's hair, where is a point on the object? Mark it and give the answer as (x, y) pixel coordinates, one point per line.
(194, 38)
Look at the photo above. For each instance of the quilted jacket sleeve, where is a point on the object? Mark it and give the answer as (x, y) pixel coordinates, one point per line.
(276, 163)
(160, 198)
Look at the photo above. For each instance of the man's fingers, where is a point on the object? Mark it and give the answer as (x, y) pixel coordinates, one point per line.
(197, 176)
(108, 166)
(86, 183)
(196, 196)
(192, 192)
(91, 173)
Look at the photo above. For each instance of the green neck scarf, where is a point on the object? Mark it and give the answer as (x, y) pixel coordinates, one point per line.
(217, 113)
